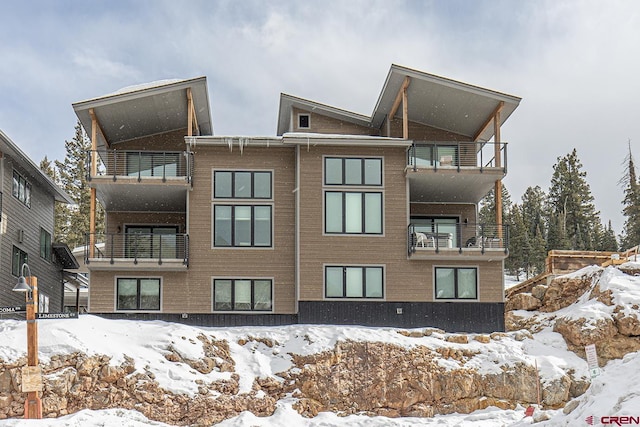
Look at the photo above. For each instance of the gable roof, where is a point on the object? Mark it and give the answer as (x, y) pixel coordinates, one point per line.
(434, 101)
(36, 175)
(146, 109)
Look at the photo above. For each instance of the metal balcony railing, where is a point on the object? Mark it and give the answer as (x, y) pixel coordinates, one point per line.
(141, 164)
(137, 246)
(460, 236)
(452, 154)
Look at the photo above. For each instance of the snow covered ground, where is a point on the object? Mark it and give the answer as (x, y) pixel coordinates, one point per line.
(615, 392)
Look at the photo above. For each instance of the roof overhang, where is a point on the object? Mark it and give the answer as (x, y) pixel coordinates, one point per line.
(65, 256)
(9, 147)
(148, 109)
(443, 103)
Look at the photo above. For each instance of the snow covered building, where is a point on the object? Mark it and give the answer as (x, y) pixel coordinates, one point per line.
(27, 202)
(339, 218)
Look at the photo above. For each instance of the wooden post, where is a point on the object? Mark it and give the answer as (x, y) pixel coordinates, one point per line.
(189, 112)
(405, 115)
(33, 404)
(498, 162)
(94, 172)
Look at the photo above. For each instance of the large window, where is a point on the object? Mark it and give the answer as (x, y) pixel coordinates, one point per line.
(138, 294)
(456, 283)
(21, 189)
(352, 171)
(241, 185)
(353, 282)
(241, 225)
(152, 164)
(353, 212)
(242, 295)
(19, 257)
(442, 228)
(45, 244)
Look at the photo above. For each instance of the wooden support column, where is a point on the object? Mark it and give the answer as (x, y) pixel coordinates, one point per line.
(33, 403)
(498, 163)
(402, 97)
(190, 111)
(94, 172)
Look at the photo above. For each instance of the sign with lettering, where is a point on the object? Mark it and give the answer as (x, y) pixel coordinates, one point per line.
(31, 379)
(592, 360)
(13, 309)
(72, 315)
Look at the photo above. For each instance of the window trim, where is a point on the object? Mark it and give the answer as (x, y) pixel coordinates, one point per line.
(15, 191)
(234, 245)
(456, 268)
(233, 280)
(24, 259)
(233, 179)
(363, 267)
(300, 115)
(363, 214)
(362, 171)
(47, 245)
(138, 310)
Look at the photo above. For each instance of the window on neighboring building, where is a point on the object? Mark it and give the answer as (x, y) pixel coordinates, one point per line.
(456, 282)
(353, 282)
(242, 185)
(19, 257)
(242, 295)
(242, 225)
(45, 244)
(349, 212)
(304, 121)
(138, 294)
(352, 171)
(43, 303)
(21, 189)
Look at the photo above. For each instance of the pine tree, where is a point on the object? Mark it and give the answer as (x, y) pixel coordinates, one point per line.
(631, 203)
(61, 210)
(533, 215)
(519, 245)
(487, 213)
(572, 216)
(72, 174)
(608, 240)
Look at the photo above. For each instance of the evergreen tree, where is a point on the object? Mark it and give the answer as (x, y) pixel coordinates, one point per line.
(61, 210)
(487, 213)
(572, 214)
(72, 174)
(631, 210)
(533, 215)
(519, 245)
(608, 240)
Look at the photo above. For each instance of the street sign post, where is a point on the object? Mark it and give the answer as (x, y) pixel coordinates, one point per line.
(72, 315)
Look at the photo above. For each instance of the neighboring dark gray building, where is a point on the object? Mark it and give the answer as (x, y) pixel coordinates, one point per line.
(27, 201)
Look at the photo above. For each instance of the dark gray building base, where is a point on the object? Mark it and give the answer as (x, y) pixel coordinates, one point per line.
(450, 317)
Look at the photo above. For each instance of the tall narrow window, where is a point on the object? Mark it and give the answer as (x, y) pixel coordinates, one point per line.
(19, 257)
(21, 189)
(304, 121)
(242, 225)
(45, 244)
(353, 212)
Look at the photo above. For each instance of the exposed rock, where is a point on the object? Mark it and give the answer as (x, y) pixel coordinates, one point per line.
(538, 291)
(627, 324)
(565, 290)
(523, 301)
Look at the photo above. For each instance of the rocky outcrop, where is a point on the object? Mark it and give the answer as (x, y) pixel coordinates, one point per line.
(353, 377)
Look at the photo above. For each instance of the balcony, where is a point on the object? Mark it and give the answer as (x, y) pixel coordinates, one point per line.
(141, 180)
(458, 241)
(137, 251)
(454, 172)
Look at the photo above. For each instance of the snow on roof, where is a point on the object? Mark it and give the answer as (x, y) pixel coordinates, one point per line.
(143, 86)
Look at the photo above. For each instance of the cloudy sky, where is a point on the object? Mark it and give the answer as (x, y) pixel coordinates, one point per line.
(576, 64)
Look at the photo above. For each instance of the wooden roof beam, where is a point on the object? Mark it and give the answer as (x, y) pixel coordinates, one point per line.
(192, 119)
(95, 122)
(489, 120)
(399, 96)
